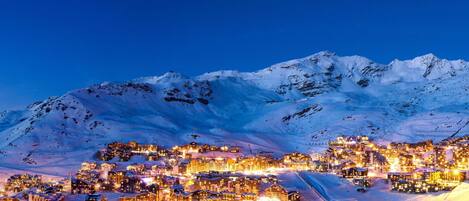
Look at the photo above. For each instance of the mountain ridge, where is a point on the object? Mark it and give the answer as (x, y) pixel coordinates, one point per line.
(307, 101)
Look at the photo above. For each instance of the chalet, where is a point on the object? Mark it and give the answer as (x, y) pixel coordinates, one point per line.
(355, 172)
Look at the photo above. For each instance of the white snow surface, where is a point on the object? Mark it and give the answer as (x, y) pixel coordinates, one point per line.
(296, 105)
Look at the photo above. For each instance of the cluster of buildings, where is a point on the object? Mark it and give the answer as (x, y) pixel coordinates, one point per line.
(409, 167)
(34, 188)
(189, 172)
(20, 182)
(202, 172)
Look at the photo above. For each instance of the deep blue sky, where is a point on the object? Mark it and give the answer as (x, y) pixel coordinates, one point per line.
(50, 47)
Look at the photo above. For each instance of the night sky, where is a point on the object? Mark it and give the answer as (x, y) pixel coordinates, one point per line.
(50, 47)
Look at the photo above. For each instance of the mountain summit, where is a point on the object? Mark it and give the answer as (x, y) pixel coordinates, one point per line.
(297, 105)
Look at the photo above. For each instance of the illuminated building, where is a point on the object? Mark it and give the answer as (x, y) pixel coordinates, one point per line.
(140, 197)
(294, 196)
(297, 161)
(354, 172)
(276, 191)
(45, 197)
(20, 182)
(8, 199)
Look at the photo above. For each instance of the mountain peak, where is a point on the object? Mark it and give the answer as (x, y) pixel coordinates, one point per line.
(219, 74)
(324, 53)
(427, 66)
(426, 59)
(428, 55)
(169, 76)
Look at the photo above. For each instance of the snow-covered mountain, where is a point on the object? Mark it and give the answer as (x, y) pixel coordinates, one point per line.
(294, 105)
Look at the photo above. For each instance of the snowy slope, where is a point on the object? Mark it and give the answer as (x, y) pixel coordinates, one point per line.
(294, 105)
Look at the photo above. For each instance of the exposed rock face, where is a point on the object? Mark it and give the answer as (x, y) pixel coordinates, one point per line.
(190, 92)
(303, 113)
